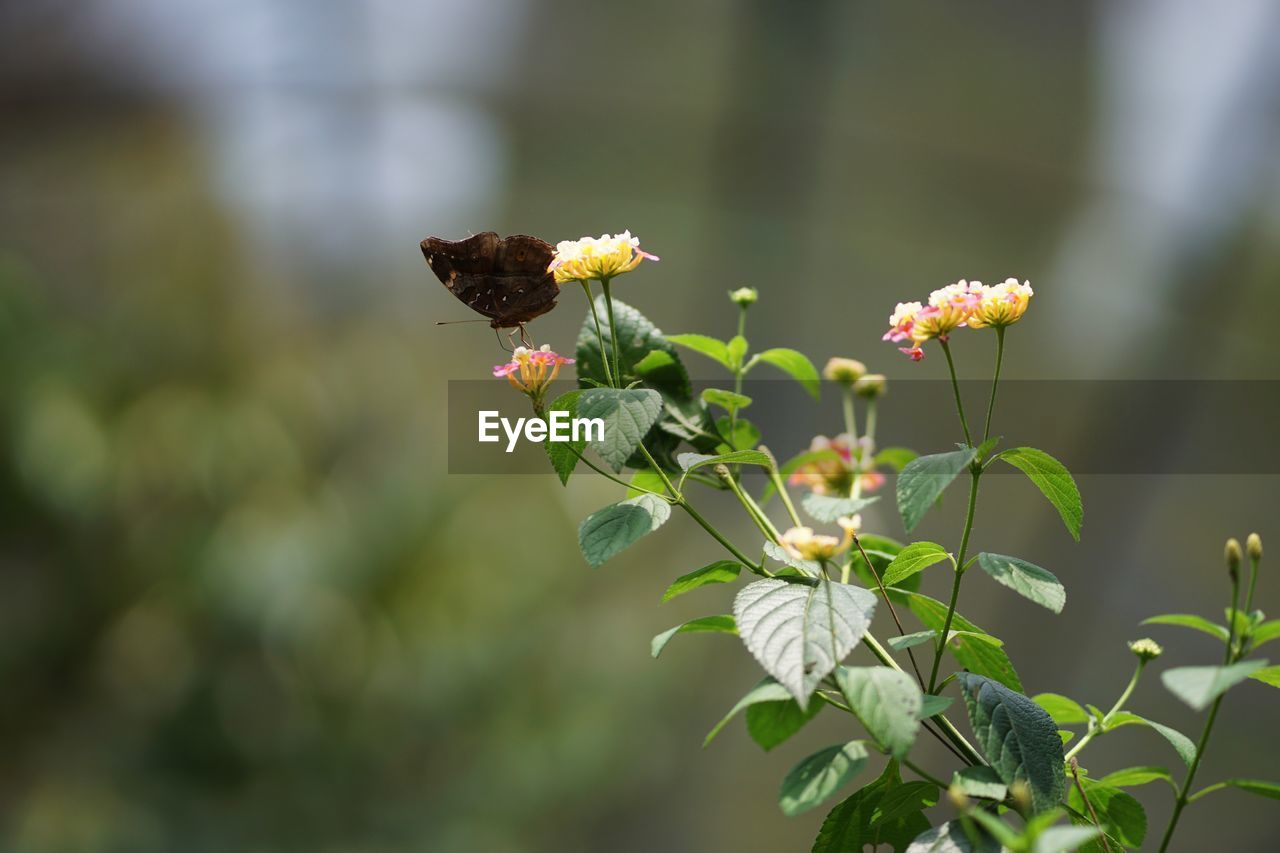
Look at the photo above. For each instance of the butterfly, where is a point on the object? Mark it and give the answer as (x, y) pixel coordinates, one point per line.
(503, 279)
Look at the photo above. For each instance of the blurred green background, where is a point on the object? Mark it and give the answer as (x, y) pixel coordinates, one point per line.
(242, 604)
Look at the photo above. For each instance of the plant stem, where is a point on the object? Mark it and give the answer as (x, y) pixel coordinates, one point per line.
(955, 386)
(1106, 718)
(719, 537)
(595, 315)
(781, 488)
(1075, 773)
(594, 467)
(885, 593)
(871, 425)
(753, 509)
(850, 418)
(995, 382)
(955, 586)
(613, 333)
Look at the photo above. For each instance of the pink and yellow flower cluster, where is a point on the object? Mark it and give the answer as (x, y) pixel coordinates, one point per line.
(601, 258)
(833, 476)
(804, 544)
(531, 371)
(965, 303)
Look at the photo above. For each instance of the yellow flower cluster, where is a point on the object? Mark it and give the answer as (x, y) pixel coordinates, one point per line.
(803, 543)
(965, 303)
(601, 258)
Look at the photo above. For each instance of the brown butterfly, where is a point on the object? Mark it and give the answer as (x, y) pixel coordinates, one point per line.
(505, 280)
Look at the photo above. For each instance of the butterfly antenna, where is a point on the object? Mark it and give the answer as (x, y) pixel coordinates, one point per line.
(457, 322)
(498, 335)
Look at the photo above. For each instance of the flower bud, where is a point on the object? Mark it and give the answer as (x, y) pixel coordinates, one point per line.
(846, 371)
(1254, 546)
(870, 385)
(1020, 791)
(958, 797)
(744, 296)
(1233, 555)
(1146, 649)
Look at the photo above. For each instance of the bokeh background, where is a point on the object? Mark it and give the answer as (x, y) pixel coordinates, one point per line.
(243, 606)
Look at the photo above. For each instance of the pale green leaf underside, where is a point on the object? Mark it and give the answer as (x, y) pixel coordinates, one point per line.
(951, 837)
(1267, 675)
(924, 479)
(980, 782)
(627, 414)
(886, 701)
(827, 509)
(1198, 686)
(1027, 579)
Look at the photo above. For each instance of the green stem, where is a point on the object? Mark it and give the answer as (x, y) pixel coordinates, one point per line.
(941, 644)
(1075, 774)
(594, 467)
(871, 424)
(781, 488)
(850, 417)
(1234, 616)
(719, 537)
(995, 382)
(955, 386)
(613, 333)
(1253, 582)
(1106, 718)
(595, 315)
(753, 509)
(844, 578)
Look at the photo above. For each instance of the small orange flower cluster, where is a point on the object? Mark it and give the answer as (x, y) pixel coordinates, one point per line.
(531, 371)
(965, 303)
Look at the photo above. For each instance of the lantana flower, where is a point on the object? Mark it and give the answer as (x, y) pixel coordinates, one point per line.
(833, 476)
(603, 257)
(531, 371)
(804, 544)
(846, 371)
(1001, 304)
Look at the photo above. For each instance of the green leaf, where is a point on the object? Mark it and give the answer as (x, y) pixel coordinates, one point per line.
(799, 633)
(1054, 480)
(690, 462)
(703, 345)
(794, 364)
(1064, 711)
(772, 723)
(721, 571)
(1253, 786)
(607, 532)
(1062, 839)
(644, 481)
(919, 638)
(904, 800)
(827, 509)
(768, 690)
(1266, 632)
(561, 453)
(1066, 736)
(775, 551)
(1268, 675)
(932, 706)
(1125, 820)
(896, 458)
(980, 782)
(916, 557)
(1017, 737)
(1198, 686)
(637, 338)
(738, 435)
(950, 837)
(924, 480)
(811, 782)
(737, 351)
(1027, 579)
(860, 820)
(980, 657)
(886, 701)
(727, 400)
(1189, 620)
(1132, 777)
(705, 625)
(1181, 743)
(627, 416)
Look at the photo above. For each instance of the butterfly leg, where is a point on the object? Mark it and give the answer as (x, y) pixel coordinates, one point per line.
(498, 335)
(524, 336)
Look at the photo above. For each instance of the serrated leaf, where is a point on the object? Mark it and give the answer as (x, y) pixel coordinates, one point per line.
(775, 551)
(738, 434)
(904, 800)
(1053, 479)
(772, 723)
(1198, 686)
(931, 706)
(799, 633)
(982, 658)
(896, 458)
(705, 625)
(690, 462)
(645, 481)
(1027, 579)
(728, 400)
(950, 837)
(607, 532)
(924, 479)
(1268, 675)
(1124, 817)
(637, 338)
(1064, 711)
(1017, 736)
(627, 414)
(916, 557)
(887, 703)
(854, 823)
(811, 782)
(827, 509)
(561, 453)
(1189, 620)
(1132, 777)
(794, 364)
(980, 782)
(1181, 743)
(703, 345)
(768, 690)
(721, 571)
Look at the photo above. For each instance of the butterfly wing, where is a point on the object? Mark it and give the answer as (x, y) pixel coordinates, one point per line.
(466, 267)
(504, 280)
(528, 289)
